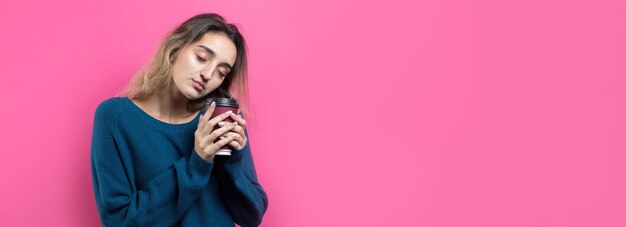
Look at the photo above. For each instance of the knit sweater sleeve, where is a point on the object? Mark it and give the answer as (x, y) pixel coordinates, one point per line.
(244, 196)
(162, 201)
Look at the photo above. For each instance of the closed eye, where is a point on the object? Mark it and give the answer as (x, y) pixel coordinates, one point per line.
(200, 59)
(204, 60)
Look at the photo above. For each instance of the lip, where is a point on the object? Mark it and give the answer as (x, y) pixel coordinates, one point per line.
(198, 85)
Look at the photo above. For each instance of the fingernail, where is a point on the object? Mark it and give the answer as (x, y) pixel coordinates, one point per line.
(221, 137)
(221, 123)
(233, 135)
(213, 104)
(229, 112)
(235, 123)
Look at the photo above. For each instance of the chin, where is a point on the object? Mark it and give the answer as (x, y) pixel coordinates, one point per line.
(197, 96)
(191, 94)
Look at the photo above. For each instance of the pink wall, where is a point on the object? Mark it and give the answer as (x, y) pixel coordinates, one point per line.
(370, 113)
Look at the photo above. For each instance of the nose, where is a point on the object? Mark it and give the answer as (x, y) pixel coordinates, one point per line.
(207, 74)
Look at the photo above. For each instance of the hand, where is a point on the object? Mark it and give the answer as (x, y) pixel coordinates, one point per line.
(205, 135)
(240, 124)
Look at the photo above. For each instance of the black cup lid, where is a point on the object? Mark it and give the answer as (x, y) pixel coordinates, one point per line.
(221, 102)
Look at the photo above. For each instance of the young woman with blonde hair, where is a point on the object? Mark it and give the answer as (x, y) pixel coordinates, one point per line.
(153, 151)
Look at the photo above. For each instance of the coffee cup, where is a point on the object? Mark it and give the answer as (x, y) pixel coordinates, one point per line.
(222, 105)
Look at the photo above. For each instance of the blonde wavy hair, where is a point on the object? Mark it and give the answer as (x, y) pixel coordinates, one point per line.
(157, 75)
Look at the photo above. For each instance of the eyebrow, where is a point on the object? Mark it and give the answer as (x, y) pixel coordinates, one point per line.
(213, 53)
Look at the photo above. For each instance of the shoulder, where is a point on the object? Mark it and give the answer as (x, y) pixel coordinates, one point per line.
(107, 110)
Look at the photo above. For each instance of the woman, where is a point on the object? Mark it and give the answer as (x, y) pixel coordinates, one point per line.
(153, 151)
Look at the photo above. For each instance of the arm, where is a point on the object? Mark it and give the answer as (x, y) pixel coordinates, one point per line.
(161, 202)
(244, 196)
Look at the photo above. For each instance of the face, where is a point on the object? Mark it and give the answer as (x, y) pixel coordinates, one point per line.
(202, 66)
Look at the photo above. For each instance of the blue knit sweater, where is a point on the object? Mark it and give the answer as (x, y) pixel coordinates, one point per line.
(146, 173)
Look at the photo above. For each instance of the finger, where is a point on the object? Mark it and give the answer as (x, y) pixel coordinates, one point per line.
(242, 141)
(220, 117)
(211, 123)
(242, 135)
(239, 138)
(238, 129)
(202, 122)
(236, 144)
(206, 116)
(224, 123)
(223, 141)
(239, 120)
(212, 137)
(218, 132)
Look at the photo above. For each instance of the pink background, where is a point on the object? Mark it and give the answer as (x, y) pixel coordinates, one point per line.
(369, 113)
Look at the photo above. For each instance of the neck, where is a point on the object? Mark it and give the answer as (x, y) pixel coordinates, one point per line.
(170, 105)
